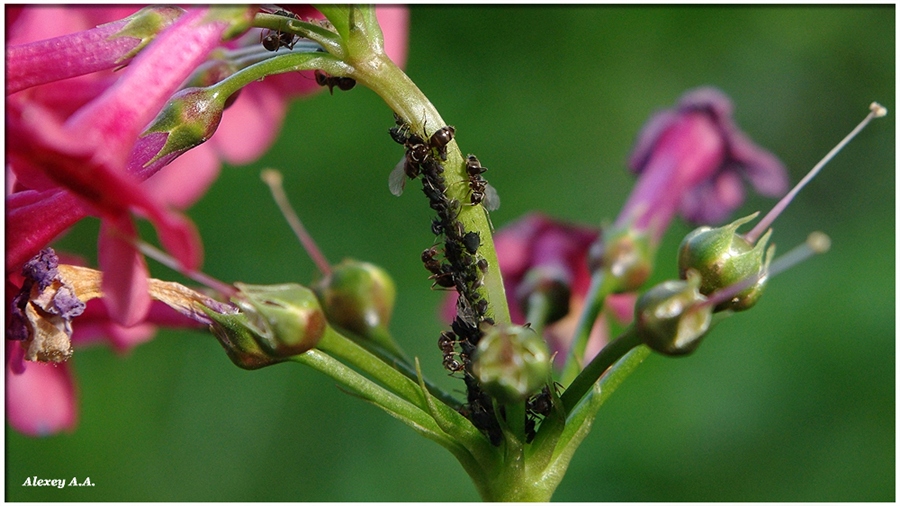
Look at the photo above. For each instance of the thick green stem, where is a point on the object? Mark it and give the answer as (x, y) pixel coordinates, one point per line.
(401, 94)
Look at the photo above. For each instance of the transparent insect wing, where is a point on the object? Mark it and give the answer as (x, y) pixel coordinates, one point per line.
(491, 198)
(397, 178)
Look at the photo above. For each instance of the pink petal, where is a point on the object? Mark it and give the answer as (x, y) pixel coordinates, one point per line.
(41, 400)
(249, 127)
(63, 57)
(182, 182)
(125, 285)
(394, 22)
(34, 219)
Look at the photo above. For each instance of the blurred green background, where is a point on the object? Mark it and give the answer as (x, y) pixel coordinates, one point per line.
(793, 401)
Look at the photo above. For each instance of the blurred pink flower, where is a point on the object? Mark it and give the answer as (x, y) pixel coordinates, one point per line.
(691, 159)
(75, 148)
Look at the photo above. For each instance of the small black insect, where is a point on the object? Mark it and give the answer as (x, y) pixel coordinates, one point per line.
(400, 132)
(474, 167)
(446, 342)
(471, 241)
(430, 260)
(273, 40)
(440, 139)
(437, 226)
(343, 83)
(444, 277)
(453, 365)
(416, 156)
(483, 193)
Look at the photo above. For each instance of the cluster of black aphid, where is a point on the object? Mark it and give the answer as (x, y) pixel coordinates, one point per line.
(458, 266)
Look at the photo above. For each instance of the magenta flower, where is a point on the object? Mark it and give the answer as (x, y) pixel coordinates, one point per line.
(86, 155)
(691, 159)
(77, 146)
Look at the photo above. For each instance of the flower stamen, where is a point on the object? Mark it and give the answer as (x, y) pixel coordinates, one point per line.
(876, 111)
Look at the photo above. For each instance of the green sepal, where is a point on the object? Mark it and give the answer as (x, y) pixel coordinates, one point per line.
(189, 119)
(239, 19)
(286, 318)
(339, 17)
(724, 258)
(145, 25)
(672, 317)
(237, 336)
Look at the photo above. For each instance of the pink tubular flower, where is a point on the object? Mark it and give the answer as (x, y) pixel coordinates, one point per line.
(86, 155)
(691, 159)
(79, 100)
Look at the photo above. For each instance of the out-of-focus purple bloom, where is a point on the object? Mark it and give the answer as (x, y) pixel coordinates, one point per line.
(691, 160)
(537, 247)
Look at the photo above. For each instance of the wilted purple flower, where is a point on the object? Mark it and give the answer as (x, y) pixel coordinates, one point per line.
(691, 159)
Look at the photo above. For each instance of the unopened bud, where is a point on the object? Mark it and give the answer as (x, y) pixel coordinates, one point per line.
(189, 119)
(359, 297)
(626, 255)
(723, 258)
(240, 342)
(672, 317)
(511, 362)
(553, 285)
(286, 319)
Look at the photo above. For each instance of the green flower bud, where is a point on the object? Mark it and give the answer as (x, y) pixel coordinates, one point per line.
(286, 319)
(359, 297)
(625, 254)
(723, 258)
(189, 118)
(235, 335)
(548, 284)
(671, 318)
(511, 362)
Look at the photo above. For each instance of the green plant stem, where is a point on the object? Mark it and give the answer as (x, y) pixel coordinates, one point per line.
(382, 76)
(401, 382)
(583, 383)
(399, 408)
(539, 305)
(602, 285)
